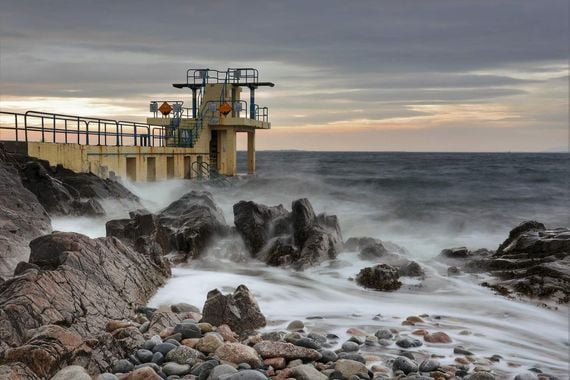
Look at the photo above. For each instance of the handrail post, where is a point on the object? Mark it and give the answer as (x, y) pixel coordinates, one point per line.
(16, 124)
(135, 133)
(78, 131)
(43, 132)
(117, 133)
(54, 128)
(99, 132)
(65, 133)
(105, 133)
(86, 133)
(26, 127)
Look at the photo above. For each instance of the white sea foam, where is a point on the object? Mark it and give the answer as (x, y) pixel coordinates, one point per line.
(424, 220)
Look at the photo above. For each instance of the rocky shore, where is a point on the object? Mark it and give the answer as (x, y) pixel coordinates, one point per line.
(72, 307)
(31, 191)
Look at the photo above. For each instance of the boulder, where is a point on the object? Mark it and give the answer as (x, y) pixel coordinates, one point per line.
(22, 217)
(534, 261)
(411, 269)
(379, 277)
(373, 251)
(81, 284)
(63, 192)
(255, 223)
(186, 226)
(239, 310)
(279, 238)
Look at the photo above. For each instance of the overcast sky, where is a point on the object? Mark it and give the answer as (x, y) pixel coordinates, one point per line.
(422, 75)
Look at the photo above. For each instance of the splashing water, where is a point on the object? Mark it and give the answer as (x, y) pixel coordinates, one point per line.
(423, 202)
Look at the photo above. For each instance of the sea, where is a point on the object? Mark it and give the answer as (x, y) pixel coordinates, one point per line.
(423, 202)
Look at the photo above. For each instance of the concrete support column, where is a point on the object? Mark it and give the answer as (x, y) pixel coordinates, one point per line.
(251, 152)
(229, 148)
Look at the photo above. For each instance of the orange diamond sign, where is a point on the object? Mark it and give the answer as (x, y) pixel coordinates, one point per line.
(165, 108)
(225, 109)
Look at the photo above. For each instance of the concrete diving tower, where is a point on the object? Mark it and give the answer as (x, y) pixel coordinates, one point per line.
(216, 115)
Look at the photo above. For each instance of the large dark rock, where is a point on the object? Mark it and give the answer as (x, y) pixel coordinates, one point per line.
(239, 310)
(255, 223)
(22, 217)
(81, 283)
(186, 226)
(533, 261)
(299, 238)
(379, 277)
(63, 192)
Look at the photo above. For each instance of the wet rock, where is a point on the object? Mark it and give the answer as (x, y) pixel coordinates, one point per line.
(461, 351)
(328, 356)
(255, 223)
(352, 356)
(239, 310)
(53, 194)
(380, 277)
(516, 233)
(350, 346)
(308, 343)
(533, 261)
(453, 271)
(429, 365)
(411, 269)
(22, 217)
(295, 325)
(350, 368)
(279, 238)
(456, 253)
(307, 372)
(280, 251)
(437, 337)
(187, 226)
(383, 334)
(317, 241)
(183, 308)
(405, 365)
(373, 251)
(269, 349)
(406, 342)
(239, 353)
(175, 369)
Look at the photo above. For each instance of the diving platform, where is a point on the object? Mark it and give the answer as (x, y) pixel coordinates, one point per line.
(176, 141)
